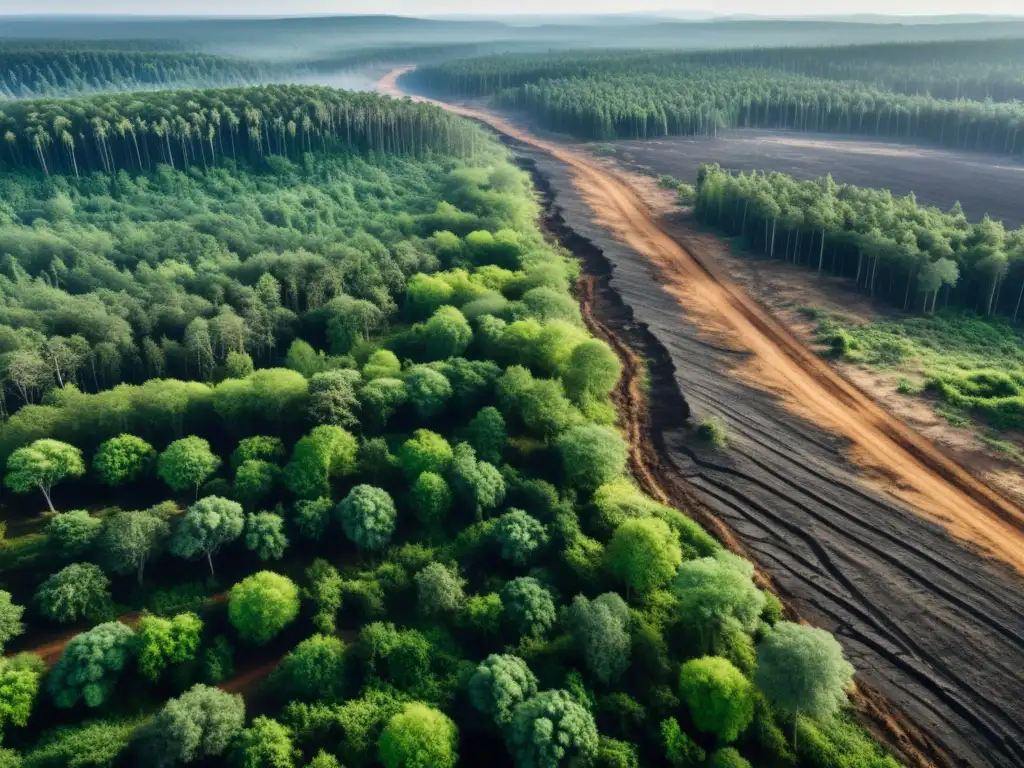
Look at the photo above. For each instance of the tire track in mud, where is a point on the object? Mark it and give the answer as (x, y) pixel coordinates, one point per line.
(933, 627)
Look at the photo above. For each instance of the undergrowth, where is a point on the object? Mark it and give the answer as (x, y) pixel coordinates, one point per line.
(969, 363)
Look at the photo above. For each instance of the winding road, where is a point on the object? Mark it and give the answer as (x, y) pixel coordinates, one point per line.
(866, 527)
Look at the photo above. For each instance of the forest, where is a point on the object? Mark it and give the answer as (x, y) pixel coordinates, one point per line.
(910, 92)
(892, 249)
(299, 385)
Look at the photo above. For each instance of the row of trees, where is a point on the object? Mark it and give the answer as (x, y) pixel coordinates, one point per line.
(26, 74)
(201, 128)
(891, 247)
(977, 70)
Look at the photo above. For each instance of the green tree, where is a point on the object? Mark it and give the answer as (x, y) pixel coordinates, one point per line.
(313, 671)
(19, 688)
(600, 628)
(500, 684)
(303, 358)
(42, 465)
(720, 698)
(550, 730)
(520, 535)
(258, 448)
(438, 589)
(10, 619)
(382, 364)
(326, 452)
(123, 459)
(431, 500)
(478, 482)
(428, 390)
(76, 592)
(529, 606)
(377, 461)
(802, 671)
(643, 553)
(254, 481)
(333, 398)
(130, 539)
(368, 517)
(425, 451)
(264, 535)
(380, 398)
(714, 590)
(591, 456)
(186, 463)
(487, 434)
(263, 604)
(727, 758)
(200, 724)
(419, 737)
(680, 750)
(312, 516)
(238, 365)
(264, 744)
(72, 534)
(90, 665)
(208, 525)
(161, 642)
(324, 590)
(446, 334)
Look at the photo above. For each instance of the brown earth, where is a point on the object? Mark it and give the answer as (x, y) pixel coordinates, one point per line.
(933, 623)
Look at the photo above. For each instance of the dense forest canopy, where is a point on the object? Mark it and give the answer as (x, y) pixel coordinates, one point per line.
(302, 386)
(641, 94)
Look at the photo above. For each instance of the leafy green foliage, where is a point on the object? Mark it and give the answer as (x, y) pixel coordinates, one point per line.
(258, 448)
(130, 539)
(186, 463)
(264, 744)
(528, 605)
(10, 619)
(324, 589)
(520, 536)
(19, 687)
(92, 743)
(123, 459)
(477, 482)
(199, 724)
(720, 698)
(680, 749)
(384, 364)
(208, 525)
(264, 535)
(368, 517)
(91, 664)
(802, 670)
(591, 455)
(78, 591)
(432, 499)
(42, 465)
(500, 684)
(417, 737)
(254, 481)
(643, 553)
(72, 534)
(488, 435)
(714, 590)
(601, 628)
(312, 516)
(327, 452)
(438, 589)
(314, 669)
(429, 391)
(333, 399)
(552, 729)
(262, 605)
(425, 451)
(161, 642)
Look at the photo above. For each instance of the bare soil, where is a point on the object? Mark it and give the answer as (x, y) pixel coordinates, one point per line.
(983, 183)
(921, 583)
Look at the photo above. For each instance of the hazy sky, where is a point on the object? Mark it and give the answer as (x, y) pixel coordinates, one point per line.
(425, 7)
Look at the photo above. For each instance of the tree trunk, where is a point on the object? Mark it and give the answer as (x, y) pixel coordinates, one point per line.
(46, 495)
(821, 254)
(209, 561)
(1019, 297)
(774, 222)
(142, 569)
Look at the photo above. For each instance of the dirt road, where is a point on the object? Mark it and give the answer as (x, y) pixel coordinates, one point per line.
(918, 472)
(930, 622)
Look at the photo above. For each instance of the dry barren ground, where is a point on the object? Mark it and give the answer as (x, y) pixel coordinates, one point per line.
(922, 583)
(983, 183)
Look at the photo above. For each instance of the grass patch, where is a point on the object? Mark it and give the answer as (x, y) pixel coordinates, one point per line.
(907, 386)
(602, 150)
(713, 431)
(1010, 450)
(972, 364)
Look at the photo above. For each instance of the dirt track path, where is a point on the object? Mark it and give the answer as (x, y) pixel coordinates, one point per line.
(934, 628)
(919, 473)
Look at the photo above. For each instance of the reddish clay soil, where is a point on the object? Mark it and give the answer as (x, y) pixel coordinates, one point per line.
(921, 580)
